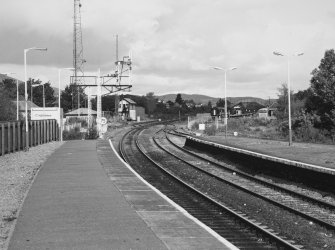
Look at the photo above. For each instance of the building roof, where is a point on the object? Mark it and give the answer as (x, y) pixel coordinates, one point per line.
(130, 101)
(82, 112)
(22, 105)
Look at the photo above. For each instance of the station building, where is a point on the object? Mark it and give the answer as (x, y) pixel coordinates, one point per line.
(128, 109)
(267, 113)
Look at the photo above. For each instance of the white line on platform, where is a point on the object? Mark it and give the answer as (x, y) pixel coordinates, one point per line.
(182, 210)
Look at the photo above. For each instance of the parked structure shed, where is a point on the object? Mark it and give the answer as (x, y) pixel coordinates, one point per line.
(130, 110)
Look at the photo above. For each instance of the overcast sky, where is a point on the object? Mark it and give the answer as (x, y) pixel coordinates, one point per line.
(174, 42)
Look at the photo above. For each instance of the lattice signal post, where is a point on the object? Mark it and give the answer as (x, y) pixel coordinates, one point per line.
(123, 70)
(78, 51)
(79, 80)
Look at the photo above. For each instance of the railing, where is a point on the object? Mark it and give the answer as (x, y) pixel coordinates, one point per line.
(13, 135)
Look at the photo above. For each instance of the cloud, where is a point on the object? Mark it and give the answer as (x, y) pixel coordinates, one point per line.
(174, 42)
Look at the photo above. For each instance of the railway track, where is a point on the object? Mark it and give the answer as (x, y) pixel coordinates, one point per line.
(138, 149)
(312, 209)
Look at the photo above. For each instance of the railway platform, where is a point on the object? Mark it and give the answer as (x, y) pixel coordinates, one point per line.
(86, 197)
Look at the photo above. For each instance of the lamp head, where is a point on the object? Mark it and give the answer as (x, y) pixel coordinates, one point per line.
(43, 49)
(277, 53)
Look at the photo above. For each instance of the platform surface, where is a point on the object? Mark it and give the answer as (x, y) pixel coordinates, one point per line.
(84, 197)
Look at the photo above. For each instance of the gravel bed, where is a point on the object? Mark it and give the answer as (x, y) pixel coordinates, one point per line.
(293, 227)
(116, 134)
(17, 173)
(289, 185)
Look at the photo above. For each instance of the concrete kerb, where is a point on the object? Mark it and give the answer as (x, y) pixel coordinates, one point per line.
(266, 157)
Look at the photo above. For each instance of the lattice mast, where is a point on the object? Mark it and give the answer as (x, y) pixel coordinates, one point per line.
(78, 52)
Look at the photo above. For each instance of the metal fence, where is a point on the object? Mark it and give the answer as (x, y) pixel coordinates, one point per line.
(13, 134)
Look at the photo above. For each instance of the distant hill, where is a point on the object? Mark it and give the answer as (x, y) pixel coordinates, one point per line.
(205, 99)
(4, 76)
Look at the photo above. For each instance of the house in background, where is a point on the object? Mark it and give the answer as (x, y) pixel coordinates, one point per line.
(82, 112)
(22, 107)
(237, 109)
(128, 109)
(268, 112)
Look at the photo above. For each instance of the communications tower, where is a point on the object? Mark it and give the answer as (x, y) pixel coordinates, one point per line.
(99, 81)
(78, 60)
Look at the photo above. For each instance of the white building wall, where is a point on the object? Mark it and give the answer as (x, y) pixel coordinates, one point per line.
(132, 114)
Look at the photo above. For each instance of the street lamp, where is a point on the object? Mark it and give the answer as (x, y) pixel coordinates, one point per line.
(225, 94)
(61, 118)
(17, 95)
(26, 91)
(276, 53)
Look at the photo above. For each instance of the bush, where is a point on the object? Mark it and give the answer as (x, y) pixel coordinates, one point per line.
(195, 126)
(237, 124)
(210, 130)
(91, 134)
(77, 120)
(73, 134)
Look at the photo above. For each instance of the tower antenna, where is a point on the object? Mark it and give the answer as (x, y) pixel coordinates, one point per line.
(78, 60)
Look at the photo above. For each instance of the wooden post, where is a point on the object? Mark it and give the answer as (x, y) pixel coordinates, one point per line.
(30, 134)
(48, 130)
(23, 135)
(38, 132)
(35, 129)
(14, 137)
(44, 131)
(57, 132)
(8, 137)
(2, 138)
(53, 130)
(18, 123)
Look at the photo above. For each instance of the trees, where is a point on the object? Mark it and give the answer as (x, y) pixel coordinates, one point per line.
(282, 101)
(69, 97)
(151, 103)
(7, 107)
(48, 94)
(9, 85)
(323, 79)
(322, 99)
(313, 109)
(179, 100)
(221, 103)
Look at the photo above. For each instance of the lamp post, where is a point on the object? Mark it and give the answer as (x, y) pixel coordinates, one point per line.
(276, 53)
(26, 92)
(61, 116)
(17, 95)
(225, 94)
